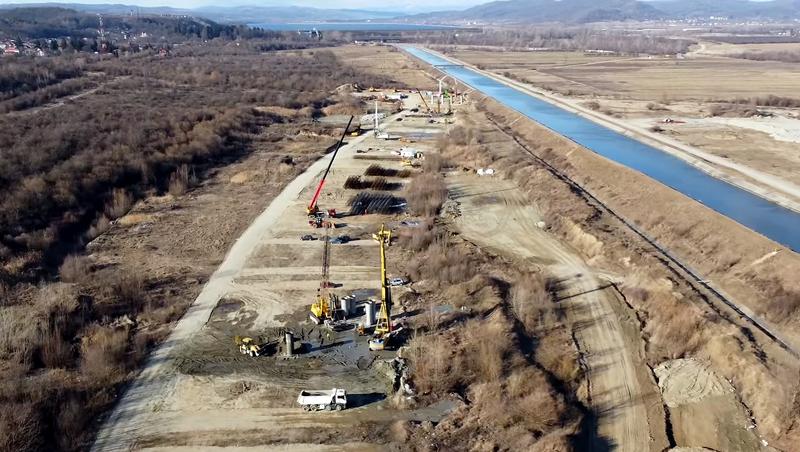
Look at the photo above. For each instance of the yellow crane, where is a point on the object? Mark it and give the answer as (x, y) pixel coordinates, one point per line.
(383, 327)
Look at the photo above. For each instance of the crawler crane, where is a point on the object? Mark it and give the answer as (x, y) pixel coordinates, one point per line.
(383, 327)
(315, 217)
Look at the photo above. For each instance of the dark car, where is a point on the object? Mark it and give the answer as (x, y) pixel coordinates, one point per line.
(307, 237)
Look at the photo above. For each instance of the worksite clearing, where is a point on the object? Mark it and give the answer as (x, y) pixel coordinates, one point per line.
(208, 394)
(246, 368)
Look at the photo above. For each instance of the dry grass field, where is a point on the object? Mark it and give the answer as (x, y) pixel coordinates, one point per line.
(742, 114)
(384, 60)
(654, 79)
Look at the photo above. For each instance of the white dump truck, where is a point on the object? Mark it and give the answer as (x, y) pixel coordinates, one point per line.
(335, 399)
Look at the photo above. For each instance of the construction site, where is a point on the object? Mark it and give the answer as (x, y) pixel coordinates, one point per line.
(446, 278)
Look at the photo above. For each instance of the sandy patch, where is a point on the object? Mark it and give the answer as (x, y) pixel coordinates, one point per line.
(241, 177)
(136, 218)
(779, 128)
(685, 381)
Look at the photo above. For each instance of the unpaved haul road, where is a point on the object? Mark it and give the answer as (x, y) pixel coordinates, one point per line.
(630, 415)
(146, 395)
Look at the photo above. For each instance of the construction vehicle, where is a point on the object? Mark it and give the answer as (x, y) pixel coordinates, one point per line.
(315, 216)
(383, 326)
(247, 346)
(425, 103)
(335, 399)
(324, 308)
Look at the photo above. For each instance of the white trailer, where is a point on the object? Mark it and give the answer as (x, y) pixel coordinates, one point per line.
(335, 399)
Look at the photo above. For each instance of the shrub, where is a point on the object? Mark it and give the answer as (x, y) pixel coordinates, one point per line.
(592, 105)
(425, 194)
(179, 181)
(103, 353)
(20, 427)
(433, 163)
(55, 351)
(120, 204)
(530, 301)
(74, 269)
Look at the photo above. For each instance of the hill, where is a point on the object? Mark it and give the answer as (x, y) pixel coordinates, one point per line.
(582, 11)
(224, 14)
(536, 11)
(54, 22)
(734, 9)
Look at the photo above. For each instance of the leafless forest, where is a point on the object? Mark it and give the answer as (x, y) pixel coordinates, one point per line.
(564, 39)
(132, 127)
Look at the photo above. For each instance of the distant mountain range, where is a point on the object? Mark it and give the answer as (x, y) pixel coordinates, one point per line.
(536, 11)
(505, 11)
(581, 11)
(229, 14)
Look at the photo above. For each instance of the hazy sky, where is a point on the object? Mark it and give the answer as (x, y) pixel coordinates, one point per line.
(398, 5)
(395, 5)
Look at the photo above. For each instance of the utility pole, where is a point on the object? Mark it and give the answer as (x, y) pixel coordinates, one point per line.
(375, 128)
(102, 47)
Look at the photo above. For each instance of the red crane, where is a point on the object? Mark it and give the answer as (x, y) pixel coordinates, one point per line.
(313, 210)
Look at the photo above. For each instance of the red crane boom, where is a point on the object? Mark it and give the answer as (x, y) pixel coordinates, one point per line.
(312, 207)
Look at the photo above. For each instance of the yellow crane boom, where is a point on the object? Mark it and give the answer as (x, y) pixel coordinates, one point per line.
(384, 321)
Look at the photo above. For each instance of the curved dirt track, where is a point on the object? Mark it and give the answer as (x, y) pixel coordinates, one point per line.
(630, 415)
(139, 404)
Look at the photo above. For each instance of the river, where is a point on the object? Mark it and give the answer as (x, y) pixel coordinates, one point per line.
(769, 219)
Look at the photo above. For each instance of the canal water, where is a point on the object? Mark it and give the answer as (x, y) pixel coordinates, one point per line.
(769, 219)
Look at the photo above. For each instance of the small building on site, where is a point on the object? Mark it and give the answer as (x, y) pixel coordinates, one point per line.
(10, 49)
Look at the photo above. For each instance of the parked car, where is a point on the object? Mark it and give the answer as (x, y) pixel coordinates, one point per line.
(307, 237)
(398, 282)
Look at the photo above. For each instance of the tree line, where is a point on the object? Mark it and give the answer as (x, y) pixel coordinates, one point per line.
(564, 39)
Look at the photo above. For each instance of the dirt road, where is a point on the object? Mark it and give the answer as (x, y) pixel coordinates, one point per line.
(630, 415)
(139, 405)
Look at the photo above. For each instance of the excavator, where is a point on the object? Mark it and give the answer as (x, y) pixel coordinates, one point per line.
(247, 346)
(316, 218)
(383, 327)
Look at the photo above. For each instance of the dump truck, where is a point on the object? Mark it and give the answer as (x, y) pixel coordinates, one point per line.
(335, 399)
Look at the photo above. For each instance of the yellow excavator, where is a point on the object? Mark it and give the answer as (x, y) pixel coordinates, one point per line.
(383, 327)
(247, 346)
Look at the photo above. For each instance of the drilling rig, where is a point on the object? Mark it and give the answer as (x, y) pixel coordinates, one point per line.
(324, 308)
(383, 327)
(316, 218)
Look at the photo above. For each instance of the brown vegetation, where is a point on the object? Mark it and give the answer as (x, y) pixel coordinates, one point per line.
(479, 351)
(677, 319)
(786, 56)
(486, 349)
(65, 349)
(426, 193)
(564, 38)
